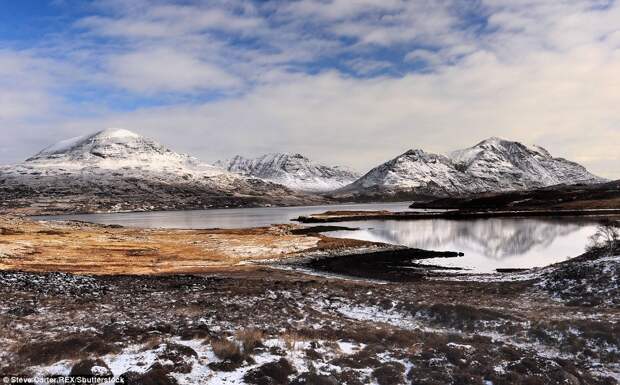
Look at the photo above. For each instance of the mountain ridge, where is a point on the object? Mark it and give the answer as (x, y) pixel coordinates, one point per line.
(292, 170)
(118, 170)
(491, 165)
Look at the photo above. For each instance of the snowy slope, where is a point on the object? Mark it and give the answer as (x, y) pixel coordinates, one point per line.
(491, 165)
(115, 149)
(115, 170)
(292, 170)
(415, 170)
(507, 165)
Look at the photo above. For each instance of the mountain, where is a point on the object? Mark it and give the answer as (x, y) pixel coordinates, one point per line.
(115, 149)
(415, 171)
(118, 170)
(504, 165)
(294, 171)
(490, 166)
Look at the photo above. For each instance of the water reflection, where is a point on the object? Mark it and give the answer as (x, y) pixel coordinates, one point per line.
(488, 244)
(221, 218)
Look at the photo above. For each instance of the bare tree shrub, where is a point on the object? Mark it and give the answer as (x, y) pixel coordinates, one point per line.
(606, 237)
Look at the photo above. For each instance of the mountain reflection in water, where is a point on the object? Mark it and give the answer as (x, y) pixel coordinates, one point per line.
(488, 244)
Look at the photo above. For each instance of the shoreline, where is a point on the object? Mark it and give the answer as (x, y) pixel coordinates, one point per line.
(89, 248)
(346, 216)
(17, 211)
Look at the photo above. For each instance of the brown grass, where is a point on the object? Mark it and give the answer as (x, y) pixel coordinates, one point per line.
(152, 342)
(250, 339)
(227, 350)
(73, 347)
(292, 340)
(84, 248)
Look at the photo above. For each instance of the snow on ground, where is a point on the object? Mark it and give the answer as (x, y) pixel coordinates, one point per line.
(139, 359)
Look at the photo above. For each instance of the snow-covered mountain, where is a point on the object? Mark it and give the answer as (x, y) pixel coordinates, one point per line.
(291, 170)
(115, 149)
(491, 165)
(117, 170)
(505, 165)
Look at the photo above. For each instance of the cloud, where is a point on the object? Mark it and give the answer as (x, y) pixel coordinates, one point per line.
(367, 67)
(437, 75)
(167, 70)
(24, 85)
(430, 23)
(339, 9)
(425, 57)
(162, 21)
(363, 122)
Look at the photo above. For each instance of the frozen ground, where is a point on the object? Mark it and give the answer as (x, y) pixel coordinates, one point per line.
(558, 325)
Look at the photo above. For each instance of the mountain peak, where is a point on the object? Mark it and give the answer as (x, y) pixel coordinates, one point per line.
(293, 170)
(117, 169)
(493, 139)
(111, 148)
(116, 133)
(506, 165)
(414, 151)
(511, 145)
(298, 156)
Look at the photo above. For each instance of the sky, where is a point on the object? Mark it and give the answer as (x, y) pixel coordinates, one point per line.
(349, 82)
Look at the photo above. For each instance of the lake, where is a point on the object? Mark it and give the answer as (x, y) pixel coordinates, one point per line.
(488, 244)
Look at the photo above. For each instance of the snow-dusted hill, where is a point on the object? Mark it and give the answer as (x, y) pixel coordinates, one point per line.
(117, 149)
(116, 170)
(505, 165)
(291, 170)
(491, 165)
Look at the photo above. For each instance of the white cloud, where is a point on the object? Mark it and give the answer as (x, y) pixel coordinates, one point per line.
(164, 21)
(165, 70)
(25, 82)
(339, 9)
(427, 57)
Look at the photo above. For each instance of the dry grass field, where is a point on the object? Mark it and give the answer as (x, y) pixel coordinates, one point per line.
(94, 249)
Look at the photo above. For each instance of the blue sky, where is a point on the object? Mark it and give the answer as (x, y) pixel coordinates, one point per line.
(349, 82)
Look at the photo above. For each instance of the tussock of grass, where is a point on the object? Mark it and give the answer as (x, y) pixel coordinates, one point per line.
(250, 339)
(152, 342)
(74, 347)
(227, 350)
(292, 340)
